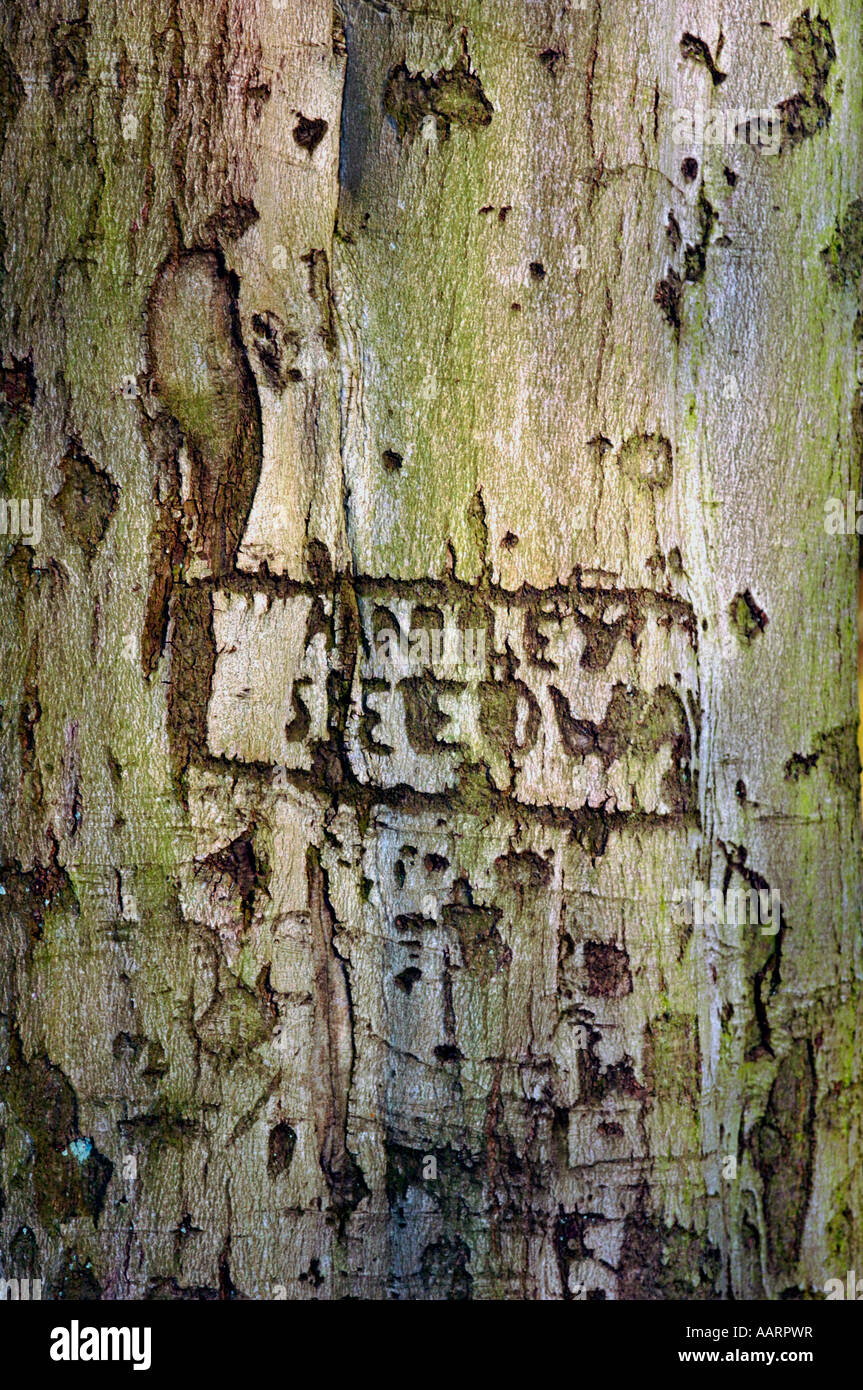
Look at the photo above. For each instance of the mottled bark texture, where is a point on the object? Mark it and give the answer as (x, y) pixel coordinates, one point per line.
(332, 967)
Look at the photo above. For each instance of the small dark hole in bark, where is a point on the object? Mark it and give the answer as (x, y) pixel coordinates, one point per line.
(689, 169)
(435, 863)
(551, 58)
(280, 1149)
(309, 133)
(537, 270)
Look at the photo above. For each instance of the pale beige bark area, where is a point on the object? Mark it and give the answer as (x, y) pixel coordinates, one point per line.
(363, 981)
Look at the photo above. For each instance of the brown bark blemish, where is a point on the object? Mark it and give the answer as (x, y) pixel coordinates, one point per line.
(453, 97)
(647, 459)
(281, 1142)
(843, 258)
(321, 292)
(69, 1175)
(691, 46)
(309, 132)
(783, 1149)
(607, 965)
(666, 1262)
(521, 869)
(201, 376)
(86, 501)
(18, 385)
(813, 54)
(276, 347)
(747, 618)
(192, 648)
(332, 1057)
(482, 947)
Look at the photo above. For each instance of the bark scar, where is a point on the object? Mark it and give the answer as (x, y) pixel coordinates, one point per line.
(332, 1047)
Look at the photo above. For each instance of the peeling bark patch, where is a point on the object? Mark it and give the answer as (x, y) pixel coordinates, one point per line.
(838, 749)
(452, 97)
(332, 1047)
(607, 966)
(659, 1262)
(193, 661)
(69, 1175)
(843, 258)
(308, 134)
(747, 619)
(202, 378)
(18, 385)
(782, 1145)
(33, 894)
(86, 501)
(813, 54)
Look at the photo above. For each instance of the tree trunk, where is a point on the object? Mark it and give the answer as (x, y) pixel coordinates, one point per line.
(431, 604)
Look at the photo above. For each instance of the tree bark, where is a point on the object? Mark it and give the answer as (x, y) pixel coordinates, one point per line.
(331, 336)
